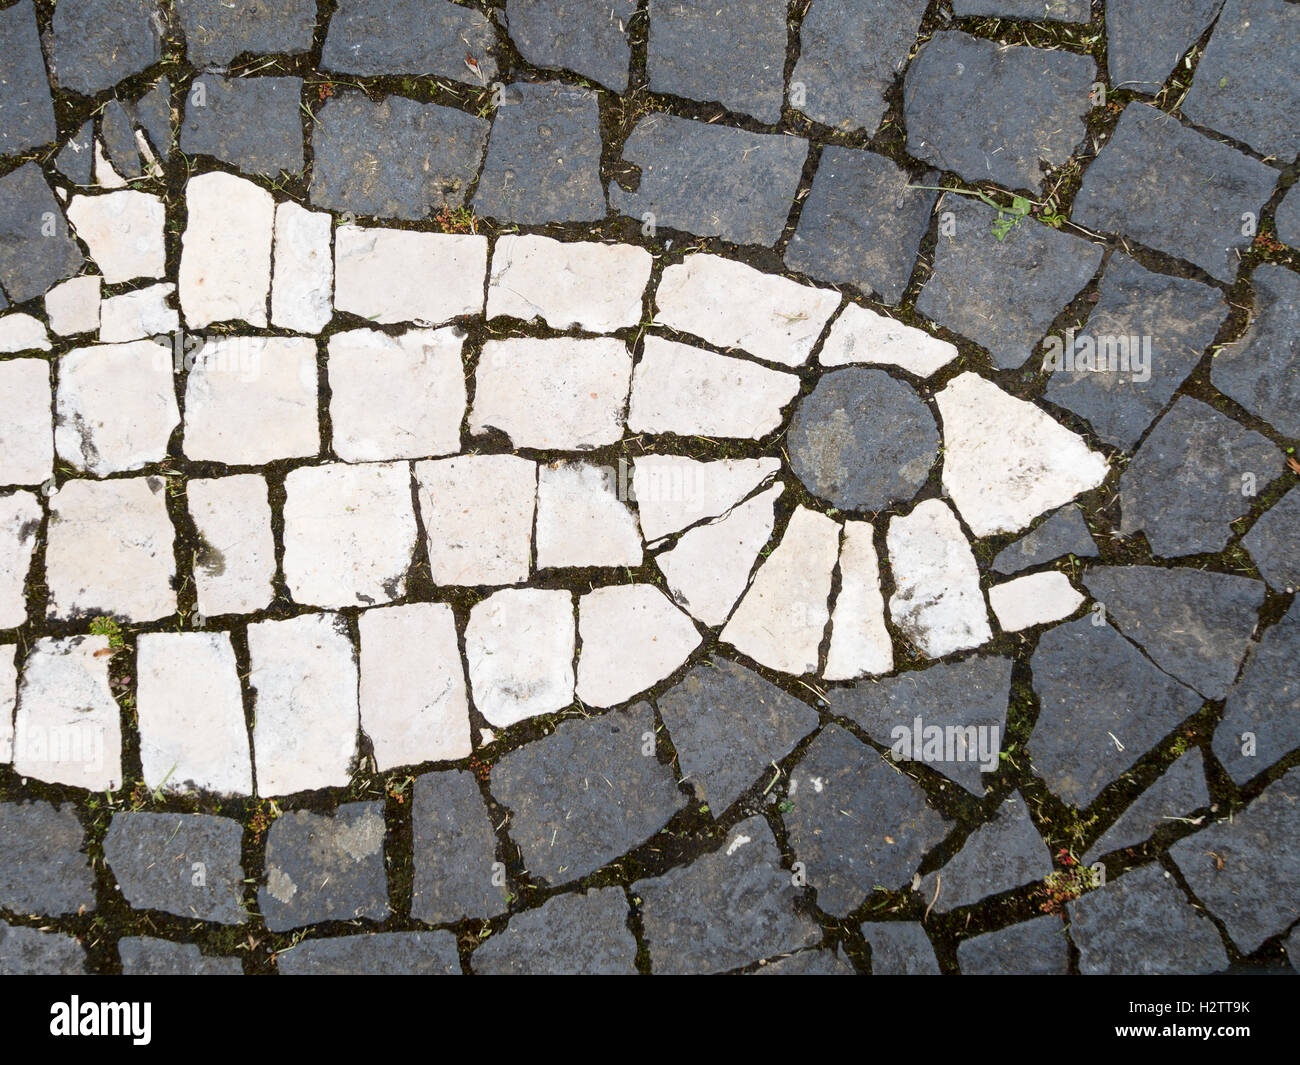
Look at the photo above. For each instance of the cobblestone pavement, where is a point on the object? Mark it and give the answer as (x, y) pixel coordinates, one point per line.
(611, 486)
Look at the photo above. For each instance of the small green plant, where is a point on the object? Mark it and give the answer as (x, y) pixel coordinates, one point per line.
(1008, 219)
(110, 627)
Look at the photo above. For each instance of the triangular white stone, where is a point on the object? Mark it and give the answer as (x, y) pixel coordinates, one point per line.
(674, 492)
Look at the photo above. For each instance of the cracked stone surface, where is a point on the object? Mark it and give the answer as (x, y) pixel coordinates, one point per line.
(552, 487)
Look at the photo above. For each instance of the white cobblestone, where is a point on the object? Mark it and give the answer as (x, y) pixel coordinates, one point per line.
(234, 569)
(478, 516)
(709, 567)
(392, 275)
(673, 492)
(519, 644)
(563, 393)
(135, 315)
(862, 336)
(1005, 460)
(225, 271)
(124, 232)
(782, 618)
(1035, 599)
(860, 644)
(109, 550)
(596, 287)
(304, 679)
(732, 305)
(396, 397)
(685, 390)
(26, 422)
(632, 638)
(251, 400)
(937, 602)
(72, 306)
(20, 524)
(302, 276)
(68, 727)
(191, 712)
(413, 702)
(8, 696)
(349, 533)
(22, 332)
(580, 519)
(116, 407)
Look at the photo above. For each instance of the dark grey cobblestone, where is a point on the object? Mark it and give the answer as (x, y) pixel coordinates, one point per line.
(30, 260)
(1064, 533)
(588, 37)
(30, 952)
(376, 954)
(1177, 793)
(1146, 38)
(146, 956)
(26, 112)
(1034, 948)
(43, 863)
(455, 851)
(373, 37)
(97, 43)
(216, 31)
(1274, 543)
(900, 948)
(255, 124)
(569, 934)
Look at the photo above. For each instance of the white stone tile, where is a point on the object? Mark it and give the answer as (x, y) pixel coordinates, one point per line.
(20, 526)
(680, 389)
(252, 400)
(862, 336)
(732, 305)
(26, 422)
(68, 728)
(304, 680)
(860, 644)
(116, 407)
(781, 620)
(349, 533)
(396, 397)
(225, 271)
(302, 278)
(519, 644)
(193, 736)
(235, 566)
(709, 567)
(1035, 599)
(478, 517)
(109, 550)
(580, 519)
(124, 231)
(22, 332)
(596, 287)
(413, 702)
(1006, 461)
(937, 602)
(135, 315)
(562, 393)
(72, 306)
(673, 492)
(393, 275)
(8, 695)
(632, 638)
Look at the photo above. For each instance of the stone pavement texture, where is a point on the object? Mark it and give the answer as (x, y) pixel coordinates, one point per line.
(584, 486)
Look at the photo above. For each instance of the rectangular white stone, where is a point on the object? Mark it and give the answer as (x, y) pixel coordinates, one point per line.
(72, 306)
(68, 727)
(862, 336)
(782, 618)
(478, 516)
(8, 696)
(732, 305)
(685, 390)
(193, 735)
(396, 397)
(937, 602)
(393, 275)
(413, 701)
(20, 526)
(116, 406)
(1035, 599)
(595, 287)
(304, 678)
(580, 519)
(860, 644)
(519, 644)
(26, 422)
(22, 332)
(225, 271)
(563, 393)
(252, 400)
(125, 232)
(109, 550)
(632, 638)
(302, 278)
(349, 533)
(235, 565)
(142, 313)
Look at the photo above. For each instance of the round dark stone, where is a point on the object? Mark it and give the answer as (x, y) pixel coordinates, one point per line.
(862, 440)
